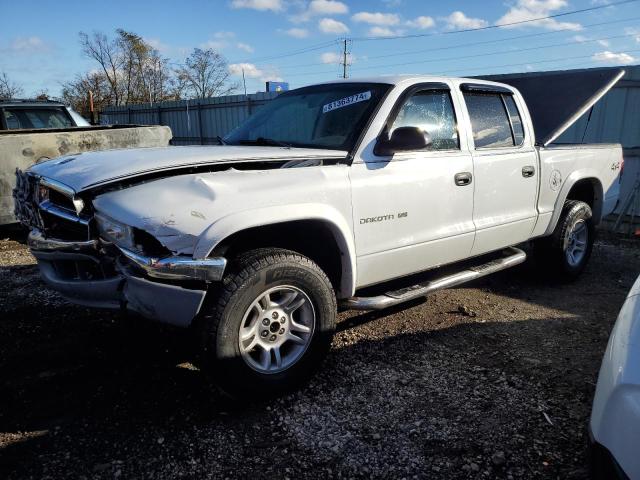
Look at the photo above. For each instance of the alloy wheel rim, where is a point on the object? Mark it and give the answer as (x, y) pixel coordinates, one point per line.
(577, 243)
(276, 329)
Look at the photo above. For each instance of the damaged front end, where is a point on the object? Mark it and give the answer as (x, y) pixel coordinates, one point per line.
(95, 261)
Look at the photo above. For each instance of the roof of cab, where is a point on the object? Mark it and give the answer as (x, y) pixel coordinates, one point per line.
(19, 102)
(414, 78)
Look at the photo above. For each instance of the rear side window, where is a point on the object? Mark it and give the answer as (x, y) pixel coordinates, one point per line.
(431, 110)
(19, 118)
(495, 120)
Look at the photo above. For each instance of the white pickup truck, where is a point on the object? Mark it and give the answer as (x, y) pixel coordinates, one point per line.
(320, 200)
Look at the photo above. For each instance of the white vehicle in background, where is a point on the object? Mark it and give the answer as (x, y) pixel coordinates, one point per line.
(615, 419)
(325, 192)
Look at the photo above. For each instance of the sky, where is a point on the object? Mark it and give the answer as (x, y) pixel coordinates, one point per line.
(301, 41)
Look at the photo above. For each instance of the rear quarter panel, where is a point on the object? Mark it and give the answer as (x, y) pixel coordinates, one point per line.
(561, 166)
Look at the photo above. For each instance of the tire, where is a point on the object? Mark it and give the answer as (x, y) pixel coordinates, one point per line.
(292, 281)
(558, 255)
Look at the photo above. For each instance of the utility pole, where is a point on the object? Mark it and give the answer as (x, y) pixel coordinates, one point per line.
(345, 57)
(93, 113)
(244, 83)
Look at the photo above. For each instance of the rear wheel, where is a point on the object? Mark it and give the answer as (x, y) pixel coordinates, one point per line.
(565, 253)
(270, 325)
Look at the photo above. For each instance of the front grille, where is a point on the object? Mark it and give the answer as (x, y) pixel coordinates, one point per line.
(55, 226)
(49, 210)
(25, 199)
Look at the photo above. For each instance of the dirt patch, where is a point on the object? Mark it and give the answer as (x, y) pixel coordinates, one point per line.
(494, 380)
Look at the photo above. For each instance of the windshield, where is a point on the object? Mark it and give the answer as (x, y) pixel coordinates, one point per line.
(322, 116)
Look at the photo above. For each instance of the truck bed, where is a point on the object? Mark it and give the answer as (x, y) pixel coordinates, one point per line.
(561, 163)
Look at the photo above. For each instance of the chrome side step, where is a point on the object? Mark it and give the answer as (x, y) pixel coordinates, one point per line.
(512, 257)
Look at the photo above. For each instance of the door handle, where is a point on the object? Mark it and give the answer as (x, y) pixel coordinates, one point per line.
(463, 178)
(528, 171)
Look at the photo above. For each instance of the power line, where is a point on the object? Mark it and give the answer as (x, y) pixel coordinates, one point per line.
(334, 42)
(469, 44)
(463, 57)
(464, 45)
(537, 62)
(486, 42)
(312, 48)
(499, 52)
(489, 27)
(627, 52)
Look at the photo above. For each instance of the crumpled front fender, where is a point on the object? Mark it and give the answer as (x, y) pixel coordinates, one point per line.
(258, 217)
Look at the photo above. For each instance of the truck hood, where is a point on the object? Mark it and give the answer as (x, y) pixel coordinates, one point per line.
(94, 169)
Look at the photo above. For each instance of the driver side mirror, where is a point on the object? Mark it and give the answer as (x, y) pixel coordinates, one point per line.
(403, 139)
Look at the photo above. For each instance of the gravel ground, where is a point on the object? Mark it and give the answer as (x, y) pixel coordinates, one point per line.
(494, 380)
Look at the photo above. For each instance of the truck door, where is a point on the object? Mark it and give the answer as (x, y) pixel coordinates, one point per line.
(413, 210)
(505, 166)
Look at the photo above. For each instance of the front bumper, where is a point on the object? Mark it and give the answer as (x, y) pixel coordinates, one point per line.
(170, 290)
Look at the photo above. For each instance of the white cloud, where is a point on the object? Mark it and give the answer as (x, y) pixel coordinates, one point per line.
(29, 45)
(333, 58)
(318, 8)
(261, 5)
(243, 46)
(376, 18)
(384, 32)
(158, 45)
(580, 38)
(459, 21)
(603, 43)
(633, 31)
(525, 10)
(422, 22)
(223, 34)
(297, 32)
(329, 25)
(327, 7)
(213, 45)
(613, 57)
(251, 71)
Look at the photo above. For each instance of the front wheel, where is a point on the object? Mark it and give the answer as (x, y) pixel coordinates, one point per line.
(566, 252)
(270, 325)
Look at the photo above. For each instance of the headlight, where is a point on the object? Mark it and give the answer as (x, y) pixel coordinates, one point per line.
(115, 232)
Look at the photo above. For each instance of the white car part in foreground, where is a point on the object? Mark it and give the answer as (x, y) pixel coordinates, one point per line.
(615, 419)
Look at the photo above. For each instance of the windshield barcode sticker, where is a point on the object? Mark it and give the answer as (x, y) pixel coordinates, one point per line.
(344, 102)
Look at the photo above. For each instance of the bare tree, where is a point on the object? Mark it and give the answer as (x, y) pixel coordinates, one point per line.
(9, 89)
(76, 92)
(133, 69)
(206, 74)
(108, 55)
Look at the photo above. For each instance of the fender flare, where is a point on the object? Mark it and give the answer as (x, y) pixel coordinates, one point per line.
(259, 217)
(575, 177)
